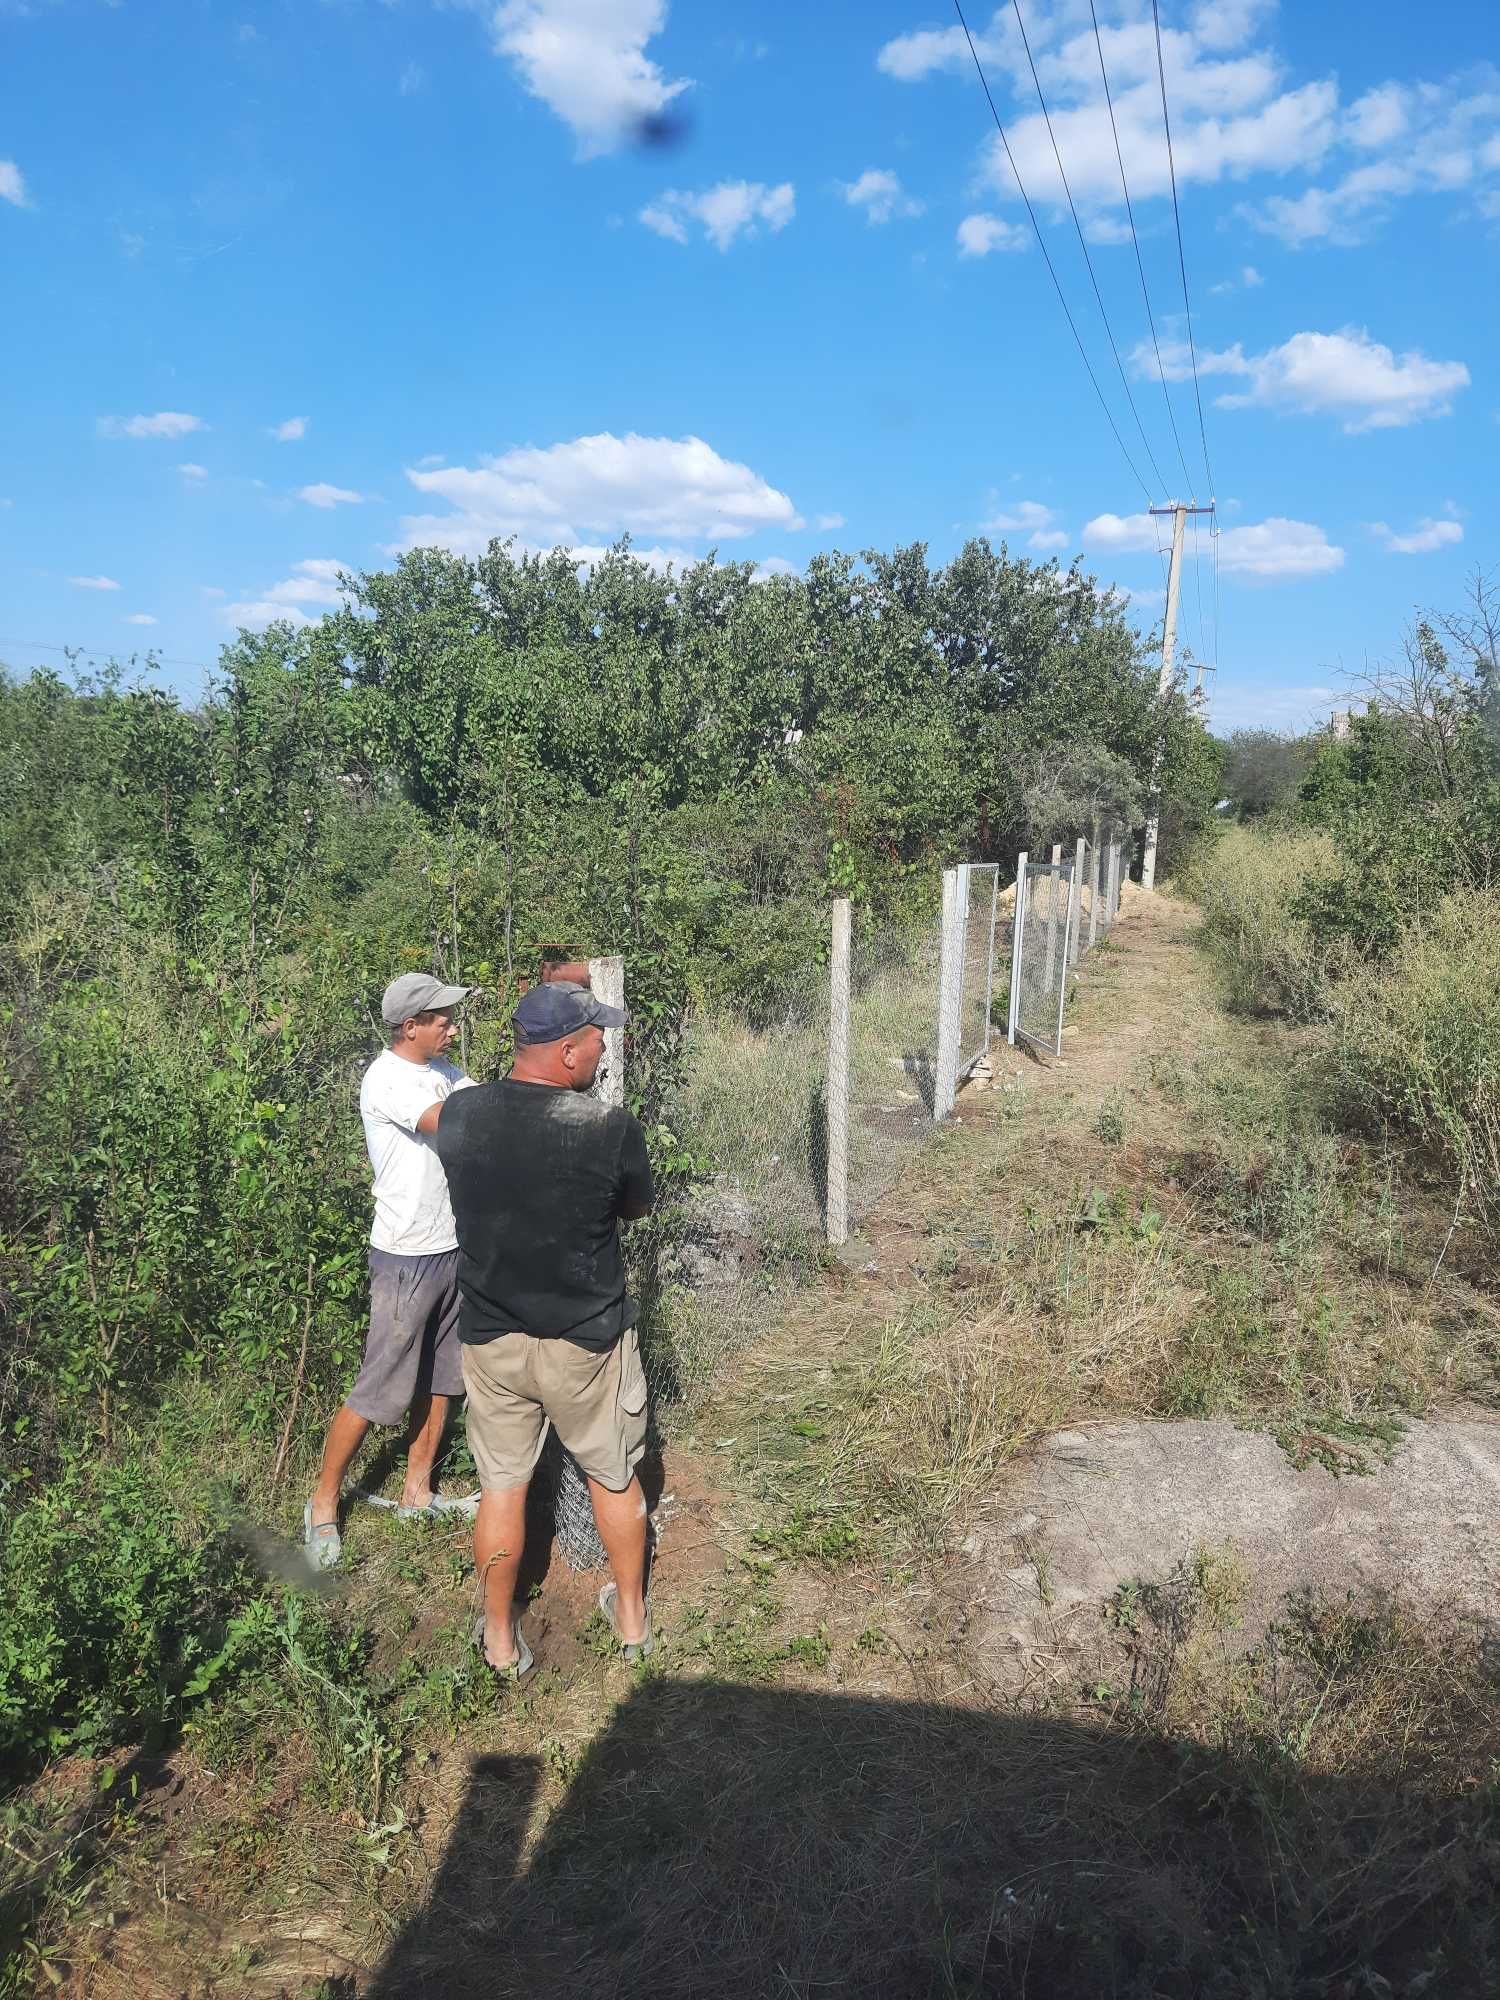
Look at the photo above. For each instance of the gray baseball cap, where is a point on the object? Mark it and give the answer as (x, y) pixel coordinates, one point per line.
(416, 993)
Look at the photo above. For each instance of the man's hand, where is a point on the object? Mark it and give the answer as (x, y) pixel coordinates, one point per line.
(427, 1124)
(632, 1212)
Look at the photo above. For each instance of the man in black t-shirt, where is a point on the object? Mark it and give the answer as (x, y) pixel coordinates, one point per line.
(541, 1175)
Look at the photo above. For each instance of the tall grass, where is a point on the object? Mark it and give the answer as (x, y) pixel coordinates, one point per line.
(1413, 1042)
(1247, 885)
(1419, 1044)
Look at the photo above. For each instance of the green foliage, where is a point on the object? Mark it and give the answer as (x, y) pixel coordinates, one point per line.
(479, 761)
(111, 1619)
(1263, 770)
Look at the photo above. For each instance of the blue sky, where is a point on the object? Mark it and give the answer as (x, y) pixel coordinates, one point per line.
(291, 287)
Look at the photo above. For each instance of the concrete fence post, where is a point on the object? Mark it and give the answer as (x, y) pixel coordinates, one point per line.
(837, 1102)
(950, 993)
(1017, 946)
(1112, 893)
(1075, 901)
(607, 982)
(1093, 892)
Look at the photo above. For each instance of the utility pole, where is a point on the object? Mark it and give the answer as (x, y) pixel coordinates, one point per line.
(1179, 510)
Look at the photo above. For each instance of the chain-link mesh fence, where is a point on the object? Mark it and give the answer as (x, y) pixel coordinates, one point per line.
(742, 1212)
(1048, 911)
(744, 1201)
(979, 893)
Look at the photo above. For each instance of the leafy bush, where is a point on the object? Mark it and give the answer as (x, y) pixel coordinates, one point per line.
(111, 1620)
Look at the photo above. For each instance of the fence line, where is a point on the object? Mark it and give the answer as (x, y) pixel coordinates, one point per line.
(786, 1122)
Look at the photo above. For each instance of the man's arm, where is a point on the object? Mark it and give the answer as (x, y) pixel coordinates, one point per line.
(636, 1195)
(427, 1124)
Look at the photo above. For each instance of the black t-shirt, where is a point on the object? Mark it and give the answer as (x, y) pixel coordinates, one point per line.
(538, 1177)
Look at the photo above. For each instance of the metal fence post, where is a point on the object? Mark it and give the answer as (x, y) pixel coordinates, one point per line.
(837, 1103)
(950, 989)
(607, 981)
(1075, 901)
(1017, 945)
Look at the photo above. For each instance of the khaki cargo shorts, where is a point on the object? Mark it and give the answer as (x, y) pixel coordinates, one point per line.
(594, 1397)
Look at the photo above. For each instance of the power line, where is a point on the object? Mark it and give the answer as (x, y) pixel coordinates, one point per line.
(1161, 72)
(1042, 245)
(105, 653)
(1213, 535)
(1161, 373)
(1198, 588)
(1084, 247)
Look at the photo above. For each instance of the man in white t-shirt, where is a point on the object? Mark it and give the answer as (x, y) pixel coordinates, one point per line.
(412, 1358)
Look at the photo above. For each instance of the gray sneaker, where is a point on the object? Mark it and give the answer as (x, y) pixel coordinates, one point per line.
(323, 1542)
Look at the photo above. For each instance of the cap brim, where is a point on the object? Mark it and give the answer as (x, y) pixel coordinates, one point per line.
(449, 996)
(607, 1017)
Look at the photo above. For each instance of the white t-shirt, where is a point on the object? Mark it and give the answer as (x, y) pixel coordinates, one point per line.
(413, 1216)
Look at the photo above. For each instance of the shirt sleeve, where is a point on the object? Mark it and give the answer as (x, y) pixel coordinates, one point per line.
(401, 1102)
(636, 1189)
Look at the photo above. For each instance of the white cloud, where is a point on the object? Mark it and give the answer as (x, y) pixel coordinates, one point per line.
(592, 489)
(312, 588)
(93, 583)
(826, 523)
(13, 184)
(586, 60)
(193, 472)
(1249, 278)
(909, 58)
(731, 209)
(1268, 549)
(413, 79)
(774, 566)
(1236, 115)
(289, 432)
(1406, 139)
(1346, 374)
(139, 618)
(978, 235)
(880, 194)
(165, 424)
(1421, 540)
(1039, 524)
(324, 495)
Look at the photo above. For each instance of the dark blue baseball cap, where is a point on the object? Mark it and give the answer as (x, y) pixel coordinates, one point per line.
(558, 1009)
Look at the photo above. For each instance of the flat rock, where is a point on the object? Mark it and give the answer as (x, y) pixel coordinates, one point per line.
(1111, 1503)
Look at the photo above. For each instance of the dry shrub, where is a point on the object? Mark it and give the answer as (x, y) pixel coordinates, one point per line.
(1246, 885)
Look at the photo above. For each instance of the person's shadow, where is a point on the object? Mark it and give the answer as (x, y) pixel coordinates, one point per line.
(721, 1841)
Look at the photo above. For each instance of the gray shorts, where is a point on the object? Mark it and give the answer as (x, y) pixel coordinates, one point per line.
(412, 1346)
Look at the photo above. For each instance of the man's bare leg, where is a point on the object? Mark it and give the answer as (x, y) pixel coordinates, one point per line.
(621, 1519)
(429, 1416)
(345, 1436)
(499, 1537)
